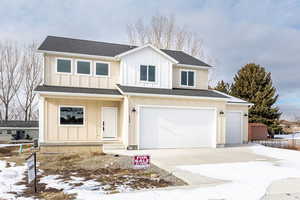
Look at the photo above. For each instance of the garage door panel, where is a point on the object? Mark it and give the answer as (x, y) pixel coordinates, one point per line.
(176, 127)
(234, 127)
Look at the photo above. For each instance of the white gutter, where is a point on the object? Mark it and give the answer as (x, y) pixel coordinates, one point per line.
(194, 66)
(78, 55)
(173, 96)
(79, 94)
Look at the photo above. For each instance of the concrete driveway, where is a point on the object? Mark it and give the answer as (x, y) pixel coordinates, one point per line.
(170, 159)
(256, 171)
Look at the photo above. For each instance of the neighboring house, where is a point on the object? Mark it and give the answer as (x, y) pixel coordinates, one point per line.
(18, 130)
(135, 97)
(289, 126)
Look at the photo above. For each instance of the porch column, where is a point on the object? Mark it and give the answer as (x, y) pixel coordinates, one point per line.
(41, 118)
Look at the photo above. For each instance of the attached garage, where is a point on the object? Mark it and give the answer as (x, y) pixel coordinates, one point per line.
(176, 127)
(234, 127)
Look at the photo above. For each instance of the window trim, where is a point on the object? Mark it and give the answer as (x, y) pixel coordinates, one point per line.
(63, 58)
(147, 81)
(101, 62)
(71, 125)
(83, 60)
(187, 70)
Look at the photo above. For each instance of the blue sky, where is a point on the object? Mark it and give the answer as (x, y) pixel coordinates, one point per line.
(235, 32)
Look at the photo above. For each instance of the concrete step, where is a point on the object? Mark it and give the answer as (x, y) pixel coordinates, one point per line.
(112, 146)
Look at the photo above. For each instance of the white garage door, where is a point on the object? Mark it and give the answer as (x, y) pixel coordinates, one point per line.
(176, 127)
(234, 133)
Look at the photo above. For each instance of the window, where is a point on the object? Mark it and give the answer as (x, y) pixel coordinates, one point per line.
(83, 67)
(102, 69)
(63, 65)
(71, 115)
(187, 78)
(147, 73)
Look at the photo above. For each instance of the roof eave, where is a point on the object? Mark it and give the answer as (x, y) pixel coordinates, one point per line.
(145, 46)
(78, 55)
(194, 66)
(78, 94)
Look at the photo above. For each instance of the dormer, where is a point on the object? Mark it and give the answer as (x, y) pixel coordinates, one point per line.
(146, 66)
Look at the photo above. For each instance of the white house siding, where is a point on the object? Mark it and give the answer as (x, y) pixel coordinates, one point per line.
(130, 68)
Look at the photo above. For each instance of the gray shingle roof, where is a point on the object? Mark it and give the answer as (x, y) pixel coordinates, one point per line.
(69, 45)
(47, 88)
(174, 91)
(19, 123)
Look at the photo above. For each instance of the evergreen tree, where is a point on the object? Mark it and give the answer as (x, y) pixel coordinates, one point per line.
(223, 87)
(253, 84)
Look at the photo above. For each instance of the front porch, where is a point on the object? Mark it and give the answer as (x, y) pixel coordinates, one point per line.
(84, 122)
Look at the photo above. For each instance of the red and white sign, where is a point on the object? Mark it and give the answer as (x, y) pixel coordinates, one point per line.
(141, 161)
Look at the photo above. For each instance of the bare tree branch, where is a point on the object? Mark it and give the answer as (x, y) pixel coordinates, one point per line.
(32, 72)
(10, 74)
(164, 33)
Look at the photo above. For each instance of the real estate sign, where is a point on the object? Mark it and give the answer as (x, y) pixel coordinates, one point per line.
(31, 168)
(141, 161)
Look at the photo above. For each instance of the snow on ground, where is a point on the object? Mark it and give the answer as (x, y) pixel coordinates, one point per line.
(248, 180)
(9, 145)
(89, 189)
(8, 178)
(288, 136)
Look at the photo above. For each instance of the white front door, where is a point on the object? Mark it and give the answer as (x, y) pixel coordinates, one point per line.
(234, 134)
(172, 127)
(109, 122)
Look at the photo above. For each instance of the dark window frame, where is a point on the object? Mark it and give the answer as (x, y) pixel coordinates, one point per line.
(65, 59)
(148, 67)
(70, 123)
(187, 73)
(108, 69)
(85, 74)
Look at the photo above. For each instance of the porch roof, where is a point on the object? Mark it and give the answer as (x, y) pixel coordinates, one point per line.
(171, 92)
(76, 90)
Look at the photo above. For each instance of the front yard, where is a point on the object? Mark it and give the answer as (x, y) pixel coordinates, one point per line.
(77, 176)
(267, 174)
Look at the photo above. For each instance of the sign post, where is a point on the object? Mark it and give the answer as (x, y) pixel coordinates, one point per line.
(31, 164)
(141, 161)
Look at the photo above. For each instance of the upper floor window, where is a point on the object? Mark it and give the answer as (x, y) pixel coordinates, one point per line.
(147, 73)
(83, 67)
(187, 78)
(63, 65)
(101, 69)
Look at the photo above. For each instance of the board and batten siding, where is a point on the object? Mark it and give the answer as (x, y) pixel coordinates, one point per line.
(130, 69)
(89, 132)
(201, 77)
(51, 77)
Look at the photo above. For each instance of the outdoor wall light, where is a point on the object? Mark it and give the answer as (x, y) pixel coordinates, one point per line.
(221, 112)
(133, 110)
(246, 115)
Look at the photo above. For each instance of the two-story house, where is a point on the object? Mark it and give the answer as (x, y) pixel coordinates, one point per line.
(135, 97)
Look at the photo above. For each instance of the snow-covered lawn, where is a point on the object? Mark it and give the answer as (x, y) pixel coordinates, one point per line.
(246, 180)
(249, 180)
(289, 136)
(9, 176)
